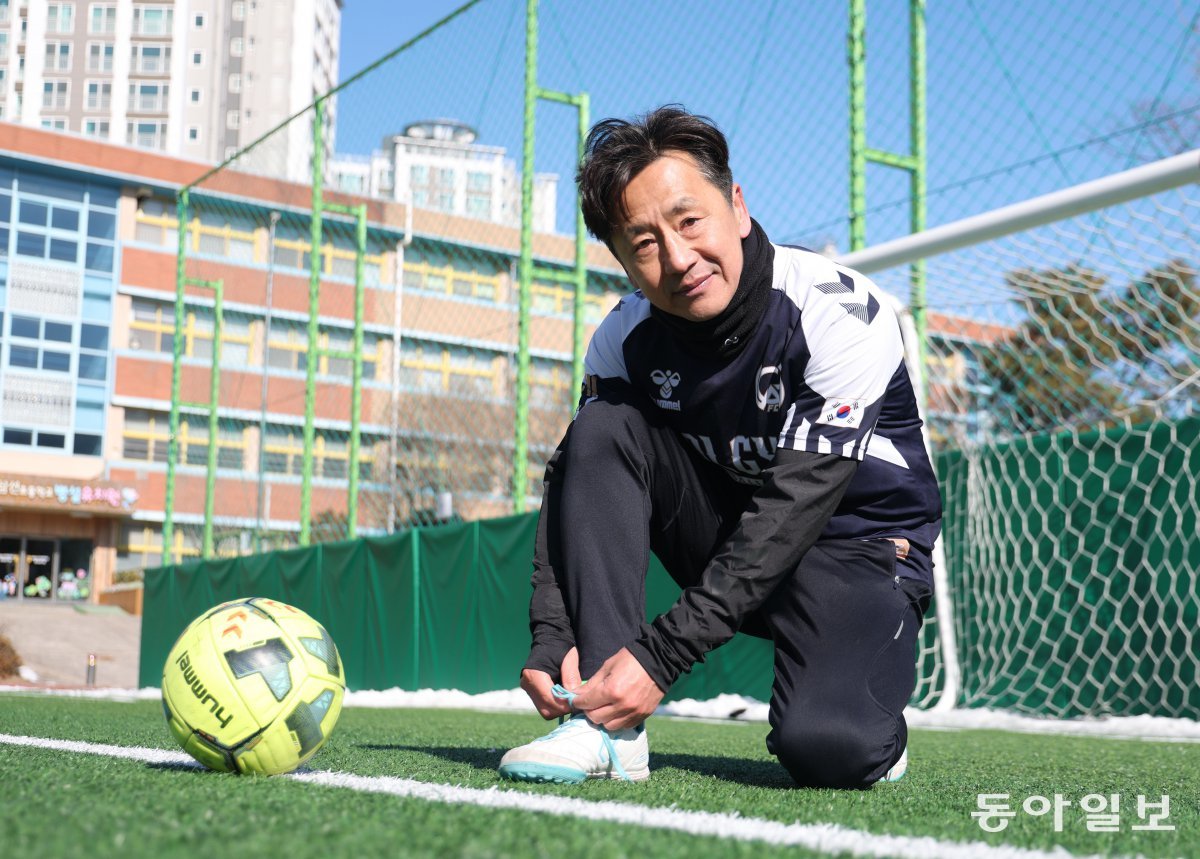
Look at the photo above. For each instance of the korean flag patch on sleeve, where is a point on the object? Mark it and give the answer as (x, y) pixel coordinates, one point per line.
(841, 412)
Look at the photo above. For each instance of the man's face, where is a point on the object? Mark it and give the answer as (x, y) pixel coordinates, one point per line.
(682, 242)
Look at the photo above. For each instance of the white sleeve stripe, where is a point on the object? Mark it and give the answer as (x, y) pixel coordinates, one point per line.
(882, 448)
(787, 423)
(848, 449)
(799, 436)
(824, 445)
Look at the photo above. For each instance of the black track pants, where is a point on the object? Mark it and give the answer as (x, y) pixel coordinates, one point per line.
(844, 626)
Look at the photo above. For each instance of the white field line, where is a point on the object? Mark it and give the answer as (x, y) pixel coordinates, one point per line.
(722, 708)
(823, 837)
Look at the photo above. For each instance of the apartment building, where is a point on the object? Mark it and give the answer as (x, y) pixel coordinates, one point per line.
(194, 78)
(439, 165)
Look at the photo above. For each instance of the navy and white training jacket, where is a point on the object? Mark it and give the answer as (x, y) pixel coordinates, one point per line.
(823, 372)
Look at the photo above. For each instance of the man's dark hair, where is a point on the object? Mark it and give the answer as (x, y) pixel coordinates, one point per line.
(617, 150)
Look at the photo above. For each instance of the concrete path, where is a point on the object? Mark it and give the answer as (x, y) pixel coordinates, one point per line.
(55, 640)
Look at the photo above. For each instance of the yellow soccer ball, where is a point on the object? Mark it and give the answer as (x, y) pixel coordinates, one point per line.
(253, 686)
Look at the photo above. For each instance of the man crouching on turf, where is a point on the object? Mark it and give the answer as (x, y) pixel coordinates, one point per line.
(747, 416)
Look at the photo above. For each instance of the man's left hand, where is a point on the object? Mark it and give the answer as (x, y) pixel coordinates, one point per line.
(620, 695)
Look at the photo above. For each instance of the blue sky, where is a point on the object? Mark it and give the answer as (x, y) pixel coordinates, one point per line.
(1016, 91)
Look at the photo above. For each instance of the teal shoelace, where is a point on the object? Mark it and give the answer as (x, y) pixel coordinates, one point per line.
(564, 694)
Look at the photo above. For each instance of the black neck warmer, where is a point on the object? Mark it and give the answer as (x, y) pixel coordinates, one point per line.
(726, 334)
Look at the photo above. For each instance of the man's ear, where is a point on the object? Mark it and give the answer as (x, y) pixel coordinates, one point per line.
(740, 211)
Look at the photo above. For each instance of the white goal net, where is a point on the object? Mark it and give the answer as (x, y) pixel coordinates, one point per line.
(1062, 378)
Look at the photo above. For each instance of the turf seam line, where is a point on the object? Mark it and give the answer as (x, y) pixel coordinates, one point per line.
(824, 837)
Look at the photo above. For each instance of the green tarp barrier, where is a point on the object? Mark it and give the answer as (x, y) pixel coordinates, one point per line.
(433, 608)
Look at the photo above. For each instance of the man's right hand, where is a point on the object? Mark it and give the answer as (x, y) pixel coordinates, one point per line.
(537, 685)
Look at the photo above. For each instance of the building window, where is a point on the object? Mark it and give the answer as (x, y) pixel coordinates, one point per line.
(149, 134)
(152, 20)
(152, 329)
(292, 251)
(235, 82)
(40, 344)
(103, 19)
(443, 368)
(199, 21)
(151, 59)
(352, 183)
(238, 10)
(237, 47)
(193, 133)
(141, 545)
(146, 435)
(148, 98)
(3, 46)
(477, 181)
(197, 58)
(550, 385)
(233, 119)
(95, 128)
(58, 57)
(195, 94)
(55, 95)
(287, 349)
(99, 95)
(100, 57)
(55, 123)
(283, 453)
(93, 352)
(479, 206)
(60, 17)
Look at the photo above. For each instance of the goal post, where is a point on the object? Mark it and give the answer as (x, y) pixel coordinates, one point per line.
(1060, 389)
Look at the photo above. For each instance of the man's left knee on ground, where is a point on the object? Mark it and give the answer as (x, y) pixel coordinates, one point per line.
(834, 752)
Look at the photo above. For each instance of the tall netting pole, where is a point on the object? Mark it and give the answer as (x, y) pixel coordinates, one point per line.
(168, 533)
(856, 43)
(214, 425)
(520, 466)
(916, 30)
(360, 240)
(579, 334)
(314, 308)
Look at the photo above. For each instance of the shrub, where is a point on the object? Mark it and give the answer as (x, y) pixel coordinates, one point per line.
(9, 660)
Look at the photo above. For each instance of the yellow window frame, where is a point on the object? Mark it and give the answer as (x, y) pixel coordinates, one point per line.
(442, 365)
(473, 279)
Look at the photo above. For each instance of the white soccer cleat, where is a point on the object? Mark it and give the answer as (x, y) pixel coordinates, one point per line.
(899, 768)
(577, 750)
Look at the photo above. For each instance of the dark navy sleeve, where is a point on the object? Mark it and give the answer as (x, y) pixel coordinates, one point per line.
(784, 519)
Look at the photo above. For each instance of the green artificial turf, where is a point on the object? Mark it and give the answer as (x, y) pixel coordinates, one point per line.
(72, 804)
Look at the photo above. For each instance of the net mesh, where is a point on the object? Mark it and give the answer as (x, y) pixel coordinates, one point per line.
(1062, 403)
